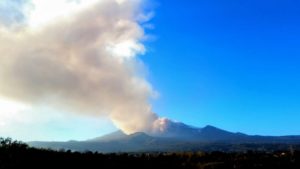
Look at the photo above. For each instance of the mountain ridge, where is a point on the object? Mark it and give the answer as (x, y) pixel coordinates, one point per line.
(175, 137)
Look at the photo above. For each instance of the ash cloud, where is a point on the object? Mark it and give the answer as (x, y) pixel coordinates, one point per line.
(85, 63)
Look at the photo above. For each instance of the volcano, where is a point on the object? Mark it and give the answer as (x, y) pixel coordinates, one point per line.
(173, 136)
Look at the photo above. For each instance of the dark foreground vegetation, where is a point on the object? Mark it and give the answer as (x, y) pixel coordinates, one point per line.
(15, 154)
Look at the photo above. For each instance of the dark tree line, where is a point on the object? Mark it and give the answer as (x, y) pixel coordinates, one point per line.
(14, 154)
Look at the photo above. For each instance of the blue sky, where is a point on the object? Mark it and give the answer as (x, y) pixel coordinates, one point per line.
(232, 64)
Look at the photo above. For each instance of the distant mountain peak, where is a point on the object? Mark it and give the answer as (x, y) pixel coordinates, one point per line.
(168, 136)
(164, 124)
(119, 134)
(137, 133)
(139, 137)
(210, 126)
(166, 128)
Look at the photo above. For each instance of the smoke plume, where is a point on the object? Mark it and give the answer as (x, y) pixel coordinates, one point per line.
(84, 63)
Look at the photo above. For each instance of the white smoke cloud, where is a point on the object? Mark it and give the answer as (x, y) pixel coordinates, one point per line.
(84, 62)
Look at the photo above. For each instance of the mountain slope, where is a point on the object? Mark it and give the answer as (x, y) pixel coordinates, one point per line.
(110, 137)
(181, 131)
(173, 136)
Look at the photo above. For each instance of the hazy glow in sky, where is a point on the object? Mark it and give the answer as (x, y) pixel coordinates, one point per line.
(9, 110)
(45, 11)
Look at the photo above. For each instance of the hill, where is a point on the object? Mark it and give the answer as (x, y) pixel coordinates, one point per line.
(176, 137)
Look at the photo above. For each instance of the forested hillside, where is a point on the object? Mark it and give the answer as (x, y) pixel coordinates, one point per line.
(14, 154)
